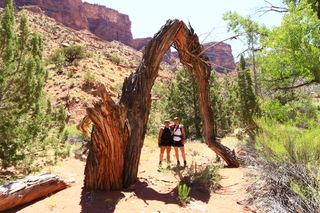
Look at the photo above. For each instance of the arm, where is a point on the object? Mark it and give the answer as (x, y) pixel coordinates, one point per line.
(183, 133)
(160, 134)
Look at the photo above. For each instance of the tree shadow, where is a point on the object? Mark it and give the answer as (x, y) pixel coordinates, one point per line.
(96, 201)
(146, 194)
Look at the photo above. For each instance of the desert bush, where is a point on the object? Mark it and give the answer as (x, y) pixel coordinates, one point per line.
(116, 60)
(287, 143)
(202, 178)
(284, 188)
(67, 54)
(89, 78)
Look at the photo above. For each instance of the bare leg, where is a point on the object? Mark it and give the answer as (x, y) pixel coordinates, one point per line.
(183, 154)
(162, 148)
(176, 151)
(168, 149)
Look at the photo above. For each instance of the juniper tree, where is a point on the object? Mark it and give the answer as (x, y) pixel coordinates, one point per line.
(246, 98)
(26, 115)
(183, 102)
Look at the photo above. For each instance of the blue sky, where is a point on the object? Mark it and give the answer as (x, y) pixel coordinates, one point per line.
(148, 16)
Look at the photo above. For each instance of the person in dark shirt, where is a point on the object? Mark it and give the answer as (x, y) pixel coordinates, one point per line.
(165, 142)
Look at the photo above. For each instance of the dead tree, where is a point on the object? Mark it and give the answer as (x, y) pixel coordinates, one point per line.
(28, 189)
(119, 129)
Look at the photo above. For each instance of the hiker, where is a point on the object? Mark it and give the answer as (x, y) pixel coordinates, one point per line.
(178, 140)
(165, 142)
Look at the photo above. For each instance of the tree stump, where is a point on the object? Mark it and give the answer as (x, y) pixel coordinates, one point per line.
(28, 189)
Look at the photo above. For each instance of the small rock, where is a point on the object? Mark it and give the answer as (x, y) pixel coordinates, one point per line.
(72, 180)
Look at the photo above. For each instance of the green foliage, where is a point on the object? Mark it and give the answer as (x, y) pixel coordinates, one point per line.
(291, 52)
(295, 106)
(233, 101)
(89, 78)
(158, 108)
(247, 100)
(286, 143)
(223, 102)
(116, 60)
(183, 102)
(29, 124)
(183, 194)
(245, 26)
(201, 178)
(67, 54)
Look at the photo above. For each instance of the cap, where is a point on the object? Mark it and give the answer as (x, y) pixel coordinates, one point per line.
(166, 121)
(176, 118)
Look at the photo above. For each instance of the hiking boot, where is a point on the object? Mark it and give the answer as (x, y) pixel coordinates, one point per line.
(159, 167)
(168, 166)
(185, 164)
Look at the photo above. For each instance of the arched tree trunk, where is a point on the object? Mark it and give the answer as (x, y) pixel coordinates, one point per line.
(119, 129)
(191, 55)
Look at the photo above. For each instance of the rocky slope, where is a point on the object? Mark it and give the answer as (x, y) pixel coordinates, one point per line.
(108, 24)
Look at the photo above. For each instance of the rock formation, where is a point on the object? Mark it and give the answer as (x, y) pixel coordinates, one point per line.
(104, 22)
(68, 12)
(220, 55)
(139, 43)
(109, 24)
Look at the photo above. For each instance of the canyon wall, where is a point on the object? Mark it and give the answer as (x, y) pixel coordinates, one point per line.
(220, 55)
(109, 25)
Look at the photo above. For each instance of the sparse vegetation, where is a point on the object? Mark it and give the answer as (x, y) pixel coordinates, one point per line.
(183, 194)
(116, 60)
(67, 54)
(89, 78)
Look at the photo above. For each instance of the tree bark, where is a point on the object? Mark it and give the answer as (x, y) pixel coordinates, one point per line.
(136, 95)
(109, 137)
(119, 129)
(28, 189)
(192, 56)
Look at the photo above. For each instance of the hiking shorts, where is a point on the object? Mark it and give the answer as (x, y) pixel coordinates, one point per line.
(166, 143)
(177, 143)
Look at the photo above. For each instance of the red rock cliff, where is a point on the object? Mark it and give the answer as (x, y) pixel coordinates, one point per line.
(220, 54)
(68, 12)
(104, 22)
(108, 24)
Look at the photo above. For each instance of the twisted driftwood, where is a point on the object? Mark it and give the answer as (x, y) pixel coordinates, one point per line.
(119, 129)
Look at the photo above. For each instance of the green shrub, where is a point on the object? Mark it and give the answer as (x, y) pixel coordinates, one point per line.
(183, 194)
(287, 143)
(67, 54)
(89, 78)
(201, 178)
(116, 60)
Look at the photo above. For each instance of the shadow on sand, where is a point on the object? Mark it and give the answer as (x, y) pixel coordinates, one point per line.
(96, 201)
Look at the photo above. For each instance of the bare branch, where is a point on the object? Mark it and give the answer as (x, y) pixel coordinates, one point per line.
(232, 37)
(297, 86)
(271, 8)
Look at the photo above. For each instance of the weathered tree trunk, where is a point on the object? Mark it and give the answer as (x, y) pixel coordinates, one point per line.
(191, 55)
(119, 129)
(104, 167)
(28, 189)
(136, 95)
(83, 126)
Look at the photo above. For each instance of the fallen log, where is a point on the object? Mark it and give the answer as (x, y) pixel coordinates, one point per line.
(28, 189)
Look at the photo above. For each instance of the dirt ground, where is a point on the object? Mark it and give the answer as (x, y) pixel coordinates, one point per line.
(155, 192)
